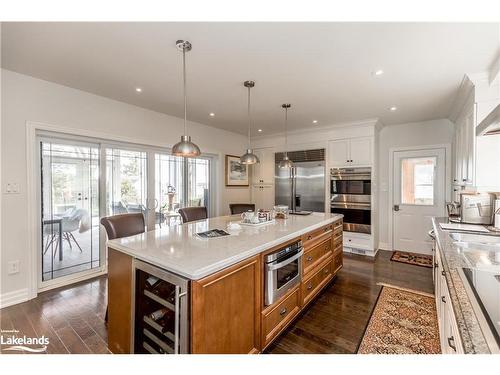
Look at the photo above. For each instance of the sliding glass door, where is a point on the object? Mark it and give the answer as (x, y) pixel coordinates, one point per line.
(69, 208)
(80, 182)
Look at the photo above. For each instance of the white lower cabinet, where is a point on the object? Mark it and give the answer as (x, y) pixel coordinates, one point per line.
(451, 342)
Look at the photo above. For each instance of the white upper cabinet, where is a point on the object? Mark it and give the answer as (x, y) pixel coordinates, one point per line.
(351, 152)
(338, 152)
(465, 140)
(361, 151)
(263, 172)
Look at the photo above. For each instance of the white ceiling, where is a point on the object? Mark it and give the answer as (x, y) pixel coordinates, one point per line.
(322, 69)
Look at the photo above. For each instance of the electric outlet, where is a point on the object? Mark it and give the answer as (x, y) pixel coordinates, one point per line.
(13, 267)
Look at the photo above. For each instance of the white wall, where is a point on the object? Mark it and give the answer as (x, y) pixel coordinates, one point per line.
(28, 99)
(426, 133)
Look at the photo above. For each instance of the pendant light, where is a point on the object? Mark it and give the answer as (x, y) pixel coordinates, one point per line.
(286, 162)
(185, 147)
(249, 157)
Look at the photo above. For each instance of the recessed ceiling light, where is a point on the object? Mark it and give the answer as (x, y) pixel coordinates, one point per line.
(138, 89)
(315, 121)
(392, 109)
(260, 130)
(378, 72)
(211, 114)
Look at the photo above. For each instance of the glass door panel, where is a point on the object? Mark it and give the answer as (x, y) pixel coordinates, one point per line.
(169, 188)
(69, 208)
(198, 178)
(126, 181)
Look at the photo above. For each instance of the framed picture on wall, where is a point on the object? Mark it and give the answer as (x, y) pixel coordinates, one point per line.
(236, 173)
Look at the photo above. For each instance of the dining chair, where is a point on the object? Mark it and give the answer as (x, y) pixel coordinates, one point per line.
(239, 208)
(193, 213)
(123, 225)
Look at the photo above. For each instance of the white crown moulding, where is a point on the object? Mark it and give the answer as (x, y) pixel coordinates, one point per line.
(354, 124)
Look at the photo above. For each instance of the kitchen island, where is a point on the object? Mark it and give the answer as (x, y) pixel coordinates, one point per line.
(219, 286)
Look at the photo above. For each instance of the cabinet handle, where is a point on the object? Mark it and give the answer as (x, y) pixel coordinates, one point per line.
(443, 299)
(436, 265)
(309, 237)
(450, 341)
(325, 271)
(442, 273)
(309, 286)
(283, 311)
(309, 258)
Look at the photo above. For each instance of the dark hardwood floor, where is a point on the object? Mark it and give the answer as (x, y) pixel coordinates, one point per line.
(335, 322)
(73, 317)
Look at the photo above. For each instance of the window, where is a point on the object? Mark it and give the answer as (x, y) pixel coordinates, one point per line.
(417, 181)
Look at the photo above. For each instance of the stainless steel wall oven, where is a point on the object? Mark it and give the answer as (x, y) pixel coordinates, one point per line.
(350, 195)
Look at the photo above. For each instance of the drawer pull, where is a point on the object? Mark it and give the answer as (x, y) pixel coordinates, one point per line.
(443, 299)
(325, 271)
(283, 311)
(309, 258)
(309, 237)
(442, 273)
(450, 341)
(309, 286)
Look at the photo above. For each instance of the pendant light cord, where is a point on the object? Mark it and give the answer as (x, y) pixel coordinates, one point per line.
(249, 118)
(185, 94)
(286, 131)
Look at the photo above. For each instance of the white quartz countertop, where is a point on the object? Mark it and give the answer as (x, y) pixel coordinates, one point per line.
(179, 250)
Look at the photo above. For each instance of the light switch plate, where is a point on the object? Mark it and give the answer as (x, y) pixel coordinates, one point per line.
(12, 188)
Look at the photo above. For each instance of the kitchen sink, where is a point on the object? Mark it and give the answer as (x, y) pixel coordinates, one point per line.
(475, 239)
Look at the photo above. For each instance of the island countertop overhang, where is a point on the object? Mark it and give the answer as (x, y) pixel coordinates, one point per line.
(177, 249)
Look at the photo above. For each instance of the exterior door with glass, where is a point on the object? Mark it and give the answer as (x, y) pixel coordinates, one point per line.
(69, 207)
(418, 195)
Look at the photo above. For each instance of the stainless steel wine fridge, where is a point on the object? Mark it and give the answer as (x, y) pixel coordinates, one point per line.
(161, 304)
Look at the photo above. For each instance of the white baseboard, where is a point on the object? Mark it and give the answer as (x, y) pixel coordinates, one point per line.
(12, 298)
(384, 246)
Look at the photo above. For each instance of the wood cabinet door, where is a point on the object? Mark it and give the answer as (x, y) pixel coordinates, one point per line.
(360, 150)
(225, 310)
(338, 153)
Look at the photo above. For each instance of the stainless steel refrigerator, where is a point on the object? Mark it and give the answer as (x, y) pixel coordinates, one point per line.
(301, 188)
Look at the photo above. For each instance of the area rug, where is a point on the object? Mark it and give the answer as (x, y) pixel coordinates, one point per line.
(402, 322)
(412, 258)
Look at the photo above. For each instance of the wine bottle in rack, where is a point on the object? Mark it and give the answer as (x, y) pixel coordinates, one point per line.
(158, 314)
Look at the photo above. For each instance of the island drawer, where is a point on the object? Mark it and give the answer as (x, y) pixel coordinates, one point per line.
(312, 238)
(337, 261)
(315, 255)
(337, 234)
(338, 225)
(276, 318)
(312, 285)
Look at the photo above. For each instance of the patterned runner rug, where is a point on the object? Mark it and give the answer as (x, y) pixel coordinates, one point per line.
(402, 322)
(412, 258)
